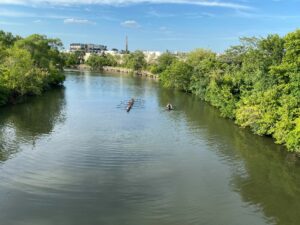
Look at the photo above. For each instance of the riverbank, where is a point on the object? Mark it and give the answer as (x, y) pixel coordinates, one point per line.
(143, 73)
(14, 98)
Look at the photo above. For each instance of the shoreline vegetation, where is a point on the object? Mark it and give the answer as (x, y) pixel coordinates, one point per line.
(28, 66)
(121, 70)
(255, 83)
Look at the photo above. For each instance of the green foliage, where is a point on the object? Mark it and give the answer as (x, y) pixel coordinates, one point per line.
(20, 75)
(111, 60)
(271, 107)
(4, 95)
(203, 62)
(272, 48)
(293, 137)
(256, 83)
(163, 62)
(71, 59)
(292, 46)
(199, 55)
(28, 66)
(97, 62)
(177, 75)
(135, 61)
(45, 55)
(7, 39)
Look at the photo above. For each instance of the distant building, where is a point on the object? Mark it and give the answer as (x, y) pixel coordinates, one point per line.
(87, 48)
(77, 47)
(151, 56)
(92, 48)
(114, 53)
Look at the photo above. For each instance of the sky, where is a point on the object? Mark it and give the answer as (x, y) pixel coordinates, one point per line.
(158, 25)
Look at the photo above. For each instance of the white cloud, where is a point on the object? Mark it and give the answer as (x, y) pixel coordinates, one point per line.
(199, 15)
(208, 3)
(248, 15)
(130, 24)
(154, 13)
(12, 13)
(10, 23)
(20, 14)
(163, 28)
(77, 21)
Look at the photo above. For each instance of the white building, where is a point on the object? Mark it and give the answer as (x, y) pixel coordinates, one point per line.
(114, 53)
(87, 48)
(151, 56)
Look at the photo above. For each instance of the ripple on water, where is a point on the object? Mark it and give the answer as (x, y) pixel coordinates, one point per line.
(104, 166)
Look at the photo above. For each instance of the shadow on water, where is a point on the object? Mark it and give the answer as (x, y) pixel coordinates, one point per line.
(27, 122)
(264, 174)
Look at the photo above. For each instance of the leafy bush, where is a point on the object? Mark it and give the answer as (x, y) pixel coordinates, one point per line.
(28, 65)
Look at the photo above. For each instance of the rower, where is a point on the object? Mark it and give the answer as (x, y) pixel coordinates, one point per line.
(130, 104)
(169, 106)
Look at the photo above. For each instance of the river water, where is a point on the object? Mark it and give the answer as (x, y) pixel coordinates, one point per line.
(74, 156)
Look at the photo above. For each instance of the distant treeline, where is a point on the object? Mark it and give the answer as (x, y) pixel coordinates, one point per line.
(28, 66)
(256, 83)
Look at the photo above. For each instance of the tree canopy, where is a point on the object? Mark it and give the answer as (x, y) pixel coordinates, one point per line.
(257, 83)
(28, 65)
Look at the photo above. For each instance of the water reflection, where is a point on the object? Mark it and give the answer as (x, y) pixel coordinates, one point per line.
(272, 180)
(26, 123)
(263, 174)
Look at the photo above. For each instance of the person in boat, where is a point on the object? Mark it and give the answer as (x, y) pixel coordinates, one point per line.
(130, 104)
(169, 106)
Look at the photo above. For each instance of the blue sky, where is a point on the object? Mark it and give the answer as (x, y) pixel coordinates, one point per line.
(177, 25)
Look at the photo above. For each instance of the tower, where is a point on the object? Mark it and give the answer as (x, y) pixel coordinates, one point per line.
(126, 44)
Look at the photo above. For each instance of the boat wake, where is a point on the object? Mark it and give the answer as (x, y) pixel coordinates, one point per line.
(137, 104)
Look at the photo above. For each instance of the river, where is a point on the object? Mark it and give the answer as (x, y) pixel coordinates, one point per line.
(74, 156)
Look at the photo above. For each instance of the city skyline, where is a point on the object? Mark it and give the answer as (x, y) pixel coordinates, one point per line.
(176, 25)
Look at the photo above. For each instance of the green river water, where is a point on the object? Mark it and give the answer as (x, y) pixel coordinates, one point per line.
(74, 156)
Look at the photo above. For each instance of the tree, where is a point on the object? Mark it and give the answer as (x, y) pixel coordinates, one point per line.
(163, 62)
(70, 59)
(135, 61)
(271, 107)
(45, 55)
(203, 62)
(97, 62)
(197, 56)
(29, 65)
(178, 76)
(20, 75)
(7, 39)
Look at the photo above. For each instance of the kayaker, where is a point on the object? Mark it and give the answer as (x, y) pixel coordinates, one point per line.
(169, 106)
